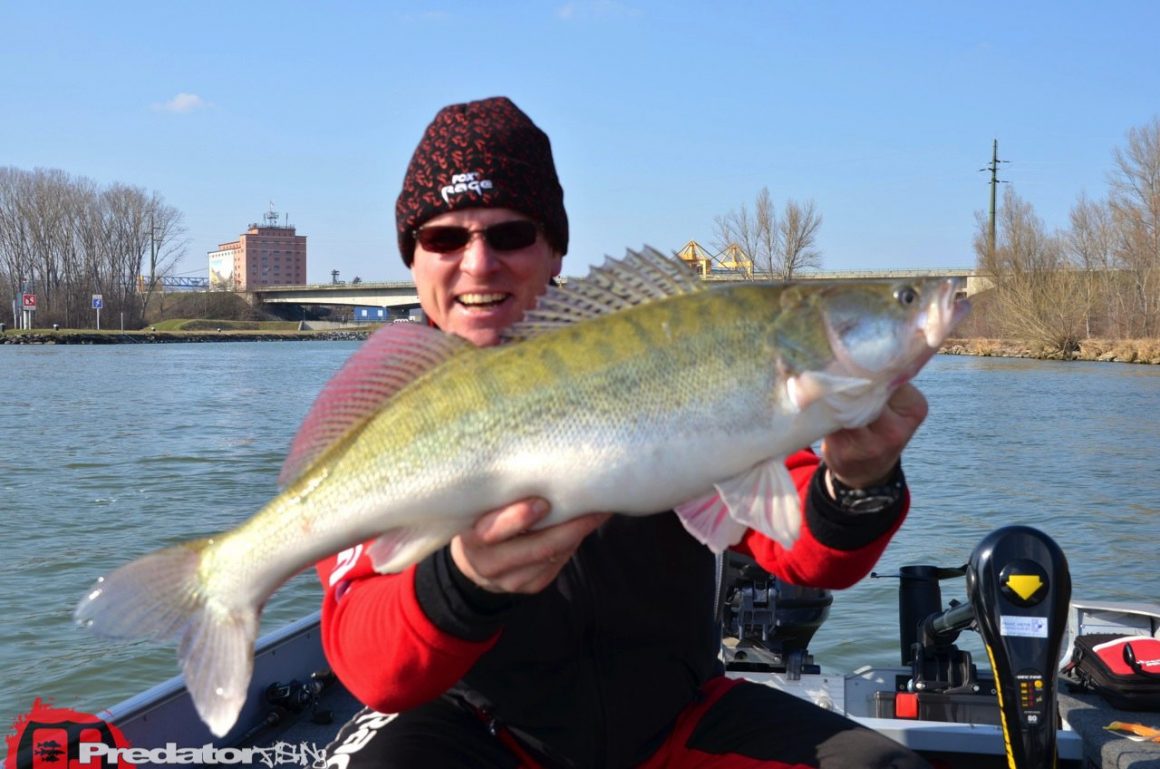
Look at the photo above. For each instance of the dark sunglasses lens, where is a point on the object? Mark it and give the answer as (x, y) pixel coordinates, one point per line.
(511, 236)
(441, 240)
(505, 236)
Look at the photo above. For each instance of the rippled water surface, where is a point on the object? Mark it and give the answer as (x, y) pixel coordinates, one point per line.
(109, 452)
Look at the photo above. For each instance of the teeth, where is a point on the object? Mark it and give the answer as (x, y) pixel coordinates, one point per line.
(476, 299)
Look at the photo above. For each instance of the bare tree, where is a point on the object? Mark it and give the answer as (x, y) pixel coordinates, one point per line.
(1090, 246)
(777, 246)
(15, 237)
(36, 234)
(1038, 297)
(66, 239)
(167, 243)
(741, 230)
(768, 242)
(1135, 204)
(798, 235)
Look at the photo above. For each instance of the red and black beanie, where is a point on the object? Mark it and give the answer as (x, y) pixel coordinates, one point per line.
(482, 154)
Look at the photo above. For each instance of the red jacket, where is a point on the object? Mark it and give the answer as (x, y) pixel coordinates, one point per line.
(626, 631)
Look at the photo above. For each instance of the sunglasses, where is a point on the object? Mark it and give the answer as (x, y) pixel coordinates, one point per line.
(505, 236)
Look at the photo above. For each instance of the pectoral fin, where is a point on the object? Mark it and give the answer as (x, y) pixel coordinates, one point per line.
(763, 498)
(707, 519)
(854, 402)
(398, 548)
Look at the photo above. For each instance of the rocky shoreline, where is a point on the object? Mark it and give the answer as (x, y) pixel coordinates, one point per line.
(1146, 351)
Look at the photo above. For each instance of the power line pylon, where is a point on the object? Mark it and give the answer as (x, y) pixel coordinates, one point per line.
(993, 167)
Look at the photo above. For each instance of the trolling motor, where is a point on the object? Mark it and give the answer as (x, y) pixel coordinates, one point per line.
(1018, 588)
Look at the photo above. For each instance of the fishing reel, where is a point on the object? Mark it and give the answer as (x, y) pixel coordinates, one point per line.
(1018, 590)
(292, 697)
(296, 696)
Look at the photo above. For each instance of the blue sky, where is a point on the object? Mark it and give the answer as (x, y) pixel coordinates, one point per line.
(663, 115)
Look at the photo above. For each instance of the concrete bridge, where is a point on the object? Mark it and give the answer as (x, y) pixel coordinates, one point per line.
(401, 294)
(397, 294)
(976, 283)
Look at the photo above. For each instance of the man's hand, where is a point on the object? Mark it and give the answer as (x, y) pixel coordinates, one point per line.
(500, 553)
(865, 456)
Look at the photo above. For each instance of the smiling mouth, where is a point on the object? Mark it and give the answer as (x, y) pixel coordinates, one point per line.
(481, 300)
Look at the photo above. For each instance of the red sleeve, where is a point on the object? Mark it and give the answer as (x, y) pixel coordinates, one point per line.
(835, 549)
(378, 640)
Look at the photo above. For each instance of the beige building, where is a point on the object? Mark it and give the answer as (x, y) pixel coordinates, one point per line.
(268, 254)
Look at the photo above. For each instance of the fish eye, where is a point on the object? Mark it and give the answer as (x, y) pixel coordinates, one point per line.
(906, 295)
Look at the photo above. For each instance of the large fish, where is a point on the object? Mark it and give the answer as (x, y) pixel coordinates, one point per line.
(637, 389)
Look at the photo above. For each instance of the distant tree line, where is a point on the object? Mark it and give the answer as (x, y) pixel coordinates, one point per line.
(1100, 277)
(66, 238)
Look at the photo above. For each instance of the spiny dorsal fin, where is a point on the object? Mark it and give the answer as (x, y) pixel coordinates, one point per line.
(640, 277)
(393, 357)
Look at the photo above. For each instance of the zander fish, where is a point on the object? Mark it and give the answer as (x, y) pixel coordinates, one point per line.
(637, 389)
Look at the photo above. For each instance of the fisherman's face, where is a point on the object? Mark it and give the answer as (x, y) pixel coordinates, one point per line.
(477, 291)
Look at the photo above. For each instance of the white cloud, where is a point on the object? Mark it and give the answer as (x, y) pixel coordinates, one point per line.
(596, 9)
(183, 102)
(434, 17)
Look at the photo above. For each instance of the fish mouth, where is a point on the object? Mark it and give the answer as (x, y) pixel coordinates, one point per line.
(946, 312)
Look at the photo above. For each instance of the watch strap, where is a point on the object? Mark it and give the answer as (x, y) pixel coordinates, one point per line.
(871, 499)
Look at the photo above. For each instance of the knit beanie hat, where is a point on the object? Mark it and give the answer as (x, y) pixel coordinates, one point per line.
(482, 154)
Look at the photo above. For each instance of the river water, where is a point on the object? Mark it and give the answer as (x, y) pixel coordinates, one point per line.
(108, 452)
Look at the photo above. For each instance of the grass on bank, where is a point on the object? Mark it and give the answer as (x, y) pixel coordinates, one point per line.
(178, 324)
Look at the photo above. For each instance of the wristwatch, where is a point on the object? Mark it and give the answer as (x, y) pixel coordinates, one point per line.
(872, 499)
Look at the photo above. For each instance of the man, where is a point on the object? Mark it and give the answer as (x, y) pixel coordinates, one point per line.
(590, 643)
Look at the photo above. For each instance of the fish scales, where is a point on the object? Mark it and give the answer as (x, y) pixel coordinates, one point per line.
(492, 403)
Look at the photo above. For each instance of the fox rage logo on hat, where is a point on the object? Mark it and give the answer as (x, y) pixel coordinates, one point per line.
(50, 738)
(461, 183)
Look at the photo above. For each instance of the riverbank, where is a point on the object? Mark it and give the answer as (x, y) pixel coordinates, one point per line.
(1103, 350)
(166, 337)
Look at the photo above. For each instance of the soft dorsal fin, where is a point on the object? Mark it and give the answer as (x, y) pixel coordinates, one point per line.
(393, 357)
(640, 277)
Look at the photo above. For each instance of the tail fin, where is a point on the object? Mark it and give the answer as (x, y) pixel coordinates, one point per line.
(161, 597)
